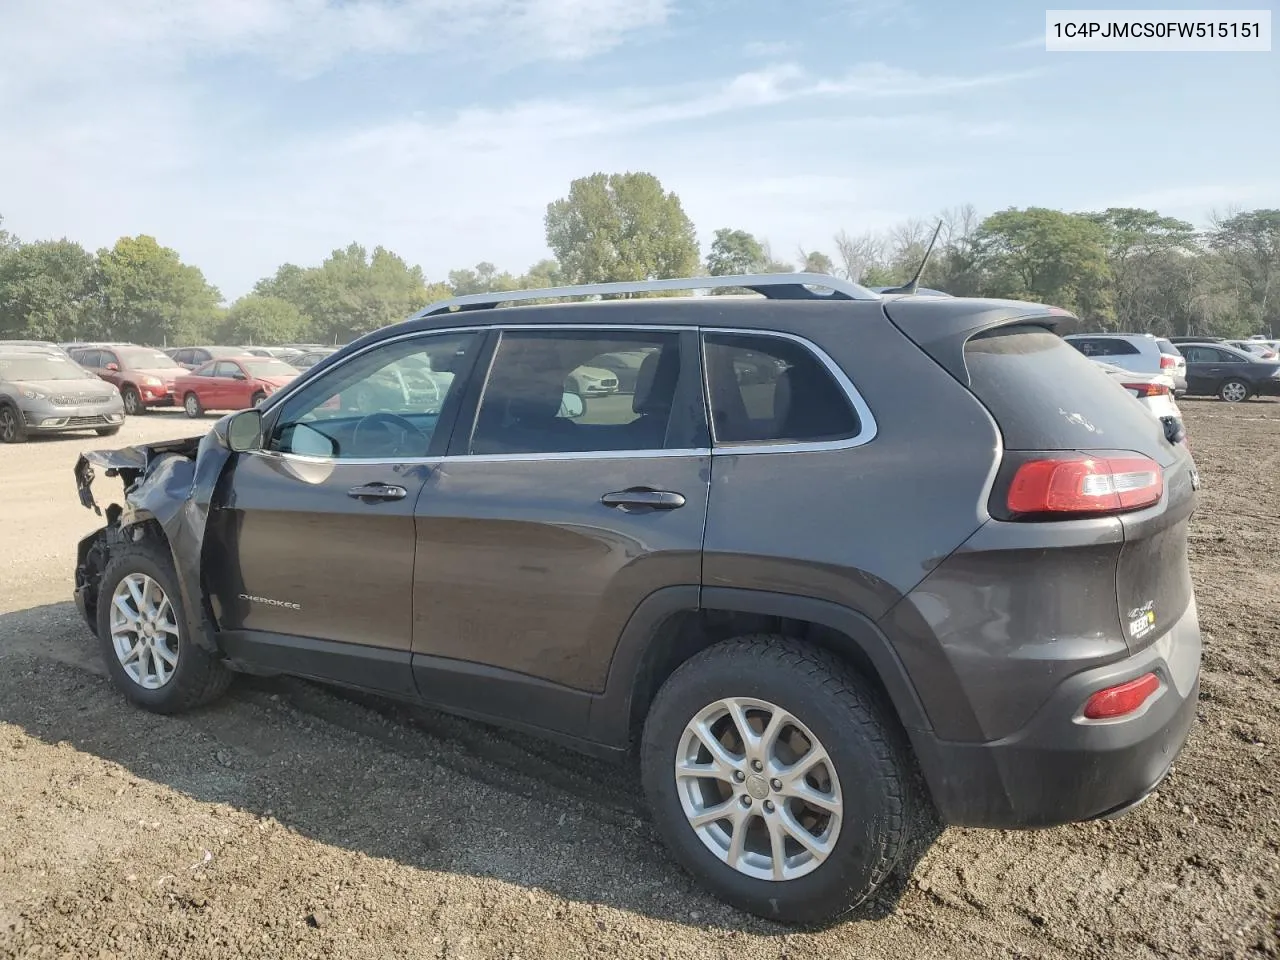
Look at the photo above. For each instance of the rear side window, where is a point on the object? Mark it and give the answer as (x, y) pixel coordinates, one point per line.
(1046, 396)
(1104, 347)
(1167, 347)
(766, 389)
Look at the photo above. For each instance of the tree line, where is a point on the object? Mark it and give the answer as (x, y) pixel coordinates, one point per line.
(1118, 269)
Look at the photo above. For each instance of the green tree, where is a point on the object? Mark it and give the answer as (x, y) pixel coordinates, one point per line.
(1250, 242)
(735, 252)
(817, 262)
(544, 273)
(1046, 256)
(618, 227)
(260, 320)
(47, 290)
(148, 295)
(485, 278)
(1152, 260)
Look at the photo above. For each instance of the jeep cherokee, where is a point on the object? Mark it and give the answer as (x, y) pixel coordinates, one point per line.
(835, 558)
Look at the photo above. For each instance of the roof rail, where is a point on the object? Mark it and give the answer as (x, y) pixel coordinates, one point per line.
(774, 286)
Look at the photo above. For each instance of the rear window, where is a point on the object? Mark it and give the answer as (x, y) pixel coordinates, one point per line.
(1167, 347)
(1047, 396)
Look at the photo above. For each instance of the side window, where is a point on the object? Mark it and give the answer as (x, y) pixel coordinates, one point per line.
(383, 404)
(1222, 356)
(1116, 347)
(87, 358)
(106, 356)
(1088, 347)
(203, 371)
(767, 389)
(578, 391)
(226, 369)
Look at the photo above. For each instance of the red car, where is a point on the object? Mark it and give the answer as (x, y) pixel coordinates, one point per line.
(144, 375)
(231, 383)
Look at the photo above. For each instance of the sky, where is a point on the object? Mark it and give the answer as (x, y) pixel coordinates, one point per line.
(249, 133)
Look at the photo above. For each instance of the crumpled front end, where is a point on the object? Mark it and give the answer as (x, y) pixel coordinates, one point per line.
(168, 488)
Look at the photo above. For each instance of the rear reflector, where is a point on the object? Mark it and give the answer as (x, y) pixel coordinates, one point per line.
(1167, 362)
(1083, 485)
(1121, 700)
(1148, 389)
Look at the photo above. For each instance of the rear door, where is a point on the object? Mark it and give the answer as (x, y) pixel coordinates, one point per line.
(311, 560)
(555, 515)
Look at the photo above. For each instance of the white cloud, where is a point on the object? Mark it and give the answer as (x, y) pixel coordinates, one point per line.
(1030, 43)
(771, 49)
(1197, 199)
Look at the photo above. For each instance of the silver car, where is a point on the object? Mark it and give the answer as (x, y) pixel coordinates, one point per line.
(41, 392)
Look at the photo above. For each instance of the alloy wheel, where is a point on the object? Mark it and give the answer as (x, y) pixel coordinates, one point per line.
(132, 403)
(758, 789)
(192, 405)
(8, 425)
(1234, 392)
(144, 631)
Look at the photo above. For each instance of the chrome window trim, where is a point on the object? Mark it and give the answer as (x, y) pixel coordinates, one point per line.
(501, 328)
(866, 419)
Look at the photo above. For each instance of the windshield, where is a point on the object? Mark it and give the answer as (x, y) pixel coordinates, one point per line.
(268, 368)
(146, 360)
(41, 368)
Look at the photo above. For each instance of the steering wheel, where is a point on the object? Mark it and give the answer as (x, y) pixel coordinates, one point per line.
(390, 433)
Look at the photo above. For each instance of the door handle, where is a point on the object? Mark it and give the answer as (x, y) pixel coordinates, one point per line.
(378, 491)
(643, 497)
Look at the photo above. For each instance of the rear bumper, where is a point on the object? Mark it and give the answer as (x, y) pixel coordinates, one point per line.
(1060, 768)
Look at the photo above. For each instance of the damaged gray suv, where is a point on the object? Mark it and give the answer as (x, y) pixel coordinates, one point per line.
(829, 564)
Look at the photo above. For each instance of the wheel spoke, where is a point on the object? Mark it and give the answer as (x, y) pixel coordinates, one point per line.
(739, 839)
(134, 653)
(720, 811)
(800, 790)
(135, 592)
(719, 753)
(800, 835)
(122, 604)
(144, 666)
(168, 656)
(777, 846)
(769, 739)
(148, 587)
(796, 772)
(700, 771)
(739, 718)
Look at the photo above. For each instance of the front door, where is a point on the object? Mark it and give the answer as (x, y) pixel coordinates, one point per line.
(311, 557)
(554, 516)
(1203, 369)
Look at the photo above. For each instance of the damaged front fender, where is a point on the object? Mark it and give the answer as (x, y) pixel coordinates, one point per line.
(170, 485)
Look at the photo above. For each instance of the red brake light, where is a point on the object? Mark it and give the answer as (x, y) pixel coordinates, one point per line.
(1123, 699)
(1167, 362)
(1148, 389)
(1086, 485)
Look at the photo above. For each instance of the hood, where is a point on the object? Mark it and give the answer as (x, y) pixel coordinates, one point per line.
(279, 381)
(162, 373)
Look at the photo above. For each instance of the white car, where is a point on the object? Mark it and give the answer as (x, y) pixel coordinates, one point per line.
(1139, 352)
(1154, 391)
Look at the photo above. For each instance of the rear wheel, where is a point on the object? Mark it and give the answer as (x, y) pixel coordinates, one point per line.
(777, 779)
(1234, 391)
(191, 404)
(257, 398)
(146, 636)
(13, 428)
(133, 404)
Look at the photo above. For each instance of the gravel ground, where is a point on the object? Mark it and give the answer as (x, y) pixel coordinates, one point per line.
(292, 821)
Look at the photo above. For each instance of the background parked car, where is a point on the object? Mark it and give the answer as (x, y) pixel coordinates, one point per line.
(1140, 352)
(287, 354)
(231, 383)
(312, 357)
(144, 375)
(1228, 373)
(34, 346)
(1259, 348)
(1155, 392)
(192, 357)
(42, 392)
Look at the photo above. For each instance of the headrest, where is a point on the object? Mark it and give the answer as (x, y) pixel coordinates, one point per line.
(656, 383)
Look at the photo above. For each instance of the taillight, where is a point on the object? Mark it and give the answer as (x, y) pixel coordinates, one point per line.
(1083, 485)
(1148, 389)
(1123, 699)
(1167, 362)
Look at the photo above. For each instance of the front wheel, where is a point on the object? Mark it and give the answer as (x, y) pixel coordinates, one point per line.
(777, 779)
(1234, 391)
(13, 428)
(257, 398)
(191, 404)
(146, 637)
(133, 405)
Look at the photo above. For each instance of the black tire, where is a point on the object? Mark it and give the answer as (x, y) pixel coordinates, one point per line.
(1234, 391)
(107, 431)
(199, 676)
(13, 426)
(133, 405)
(878, 787)
(191, 406)
(257, 398)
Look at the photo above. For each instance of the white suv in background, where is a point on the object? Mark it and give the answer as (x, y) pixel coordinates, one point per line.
(1139, 352)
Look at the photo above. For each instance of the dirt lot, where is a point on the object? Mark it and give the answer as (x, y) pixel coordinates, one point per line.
(290, 821)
